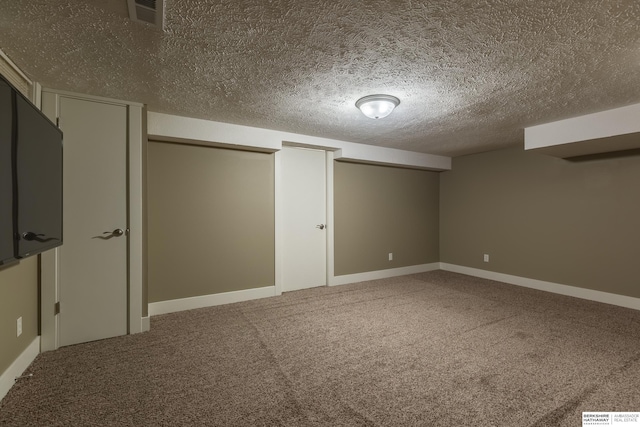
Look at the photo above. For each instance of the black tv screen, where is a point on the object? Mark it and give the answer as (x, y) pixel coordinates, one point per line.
(38, 181)
(30, 178)
(6, 171)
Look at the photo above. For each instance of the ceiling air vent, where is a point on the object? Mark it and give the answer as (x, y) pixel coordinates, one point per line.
(147, 11)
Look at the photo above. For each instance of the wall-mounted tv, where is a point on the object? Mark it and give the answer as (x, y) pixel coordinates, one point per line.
(30, 178)
(6, 173)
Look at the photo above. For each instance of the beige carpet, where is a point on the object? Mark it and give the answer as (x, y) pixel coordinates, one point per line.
(432, 349)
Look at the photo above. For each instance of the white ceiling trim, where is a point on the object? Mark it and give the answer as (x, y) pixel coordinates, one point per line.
(606, 131)
(166, 127)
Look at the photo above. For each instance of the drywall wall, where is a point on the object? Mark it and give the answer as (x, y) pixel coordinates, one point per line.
(380, 210)
(18, 298)
(210, 219)
(18, 282)
(575, 223)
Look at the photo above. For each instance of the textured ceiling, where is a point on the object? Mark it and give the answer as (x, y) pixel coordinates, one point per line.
(470, 74)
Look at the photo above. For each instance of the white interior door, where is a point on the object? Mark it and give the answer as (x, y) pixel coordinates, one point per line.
(304, 239)
(93, 257)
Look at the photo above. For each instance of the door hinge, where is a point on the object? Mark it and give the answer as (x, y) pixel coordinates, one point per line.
(58, 121)
(56, 308)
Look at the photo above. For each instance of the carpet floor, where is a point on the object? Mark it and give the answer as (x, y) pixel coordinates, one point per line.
(430, 349)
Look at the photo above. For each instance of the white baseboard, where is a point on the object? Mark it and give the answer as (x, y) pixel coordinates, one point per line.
(17, 368)
(556, 288)
(382, 274)
(171, 306)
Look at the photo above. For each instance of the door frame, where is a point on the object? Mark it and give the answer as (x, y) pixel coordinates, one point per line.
(279, 209)
(137, 318)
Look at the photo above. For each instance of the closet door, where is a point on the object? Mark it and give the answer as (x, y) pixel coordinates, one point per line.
(304, 218)
(93, 258)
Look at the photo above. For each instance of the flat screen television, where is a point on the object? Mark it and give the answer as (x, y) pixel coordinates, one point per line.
(6, 174)
(33, 188)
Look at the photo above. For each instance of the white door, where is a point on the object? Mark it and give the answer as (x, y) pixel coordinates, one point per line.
(304, 240)
(93, 257)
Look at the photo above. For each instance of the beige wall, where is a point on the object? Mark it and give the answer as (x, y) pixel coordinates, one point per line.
(18, 282)
(210, 221)
(382, 209)
(573, 223)
(18, 298)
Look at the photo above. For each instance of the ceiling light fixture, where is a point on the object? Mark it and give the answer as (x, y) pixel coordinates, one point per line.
(377, 106)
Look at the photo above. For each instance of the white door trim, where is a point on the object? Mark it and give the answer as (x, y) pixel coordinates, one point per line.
(329, 216)
(49, 259)
(277, 195)
(136, 218)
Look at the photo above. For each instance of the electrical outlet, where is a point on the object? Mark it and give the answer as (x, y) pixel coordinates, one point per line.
(486, 257)
(390, 256)
(19, 326)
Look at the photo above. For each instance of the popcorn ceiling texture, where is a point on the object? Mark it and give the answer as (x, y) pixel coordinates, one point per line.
(470, 74)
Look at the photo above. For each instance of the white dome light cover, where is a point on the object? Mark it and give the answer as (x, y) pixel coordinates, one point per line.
(377, 106)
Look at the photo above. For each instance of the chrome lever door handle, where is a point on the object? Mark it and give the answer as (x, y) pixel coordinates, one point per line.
(321, 226)
(115, 233)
